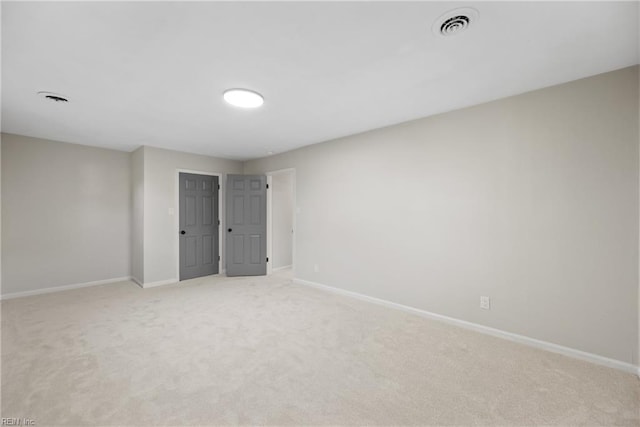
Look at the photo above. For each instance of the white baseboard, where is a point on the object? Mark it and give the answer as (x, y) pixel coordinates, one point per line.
(64, 288)
(165, 282)
(273, 270)
(159, 283)
(532, 342)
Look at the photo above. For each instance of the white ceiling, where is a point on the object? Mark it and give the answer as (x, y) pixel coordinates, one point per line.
(153, 73)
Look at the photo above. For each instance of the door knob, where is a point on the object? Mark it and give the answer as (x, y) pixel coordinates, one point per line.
(183, 232)
(229, 230)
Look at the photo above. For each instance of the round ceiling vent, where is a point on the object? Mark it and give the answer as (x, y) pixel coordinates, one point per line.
(56, 97)
(455, 21)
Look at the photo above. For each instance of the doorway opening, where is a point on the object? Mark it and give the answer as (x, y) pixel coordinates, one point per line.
(281, 218)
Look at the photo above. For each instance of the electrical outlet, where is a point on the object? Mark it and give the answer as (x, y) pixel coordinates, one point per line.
(485, 303)
(316, 268)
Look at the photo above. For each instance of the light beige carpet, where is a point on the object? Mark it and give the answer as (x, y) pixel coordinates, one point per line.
(265, 351)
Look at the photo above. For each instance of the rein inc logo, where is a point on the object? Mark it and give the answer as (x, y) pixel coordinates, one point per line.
(17, 422)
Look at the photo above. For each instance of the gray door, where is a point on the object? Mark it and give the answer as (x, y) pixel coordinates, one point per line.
(246, 252)
(199, 231)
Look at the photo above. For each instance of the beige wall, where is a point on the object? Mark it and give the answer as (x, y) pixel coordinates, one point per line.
(638, 313)
(0, 214)
(70, 209)
(66, 213)
(137, 215)
(281, 219)
(531, 200)
(160, 196)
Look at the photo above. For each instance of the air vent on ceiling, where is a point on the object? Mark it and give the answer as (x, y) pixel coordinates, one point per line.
(455, 21)
(53, 96)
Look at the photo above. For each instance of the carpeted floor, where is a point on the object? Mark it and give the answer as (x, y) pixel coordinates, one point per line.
(265, 351)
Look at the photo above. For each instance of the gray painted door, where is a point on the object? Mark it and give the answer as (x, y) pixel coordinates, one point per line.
(246, 252)
(199, 228)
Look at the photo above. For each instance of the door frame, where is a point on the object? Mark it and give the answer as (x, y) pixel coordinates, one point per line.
(270, 175)
(176, 225)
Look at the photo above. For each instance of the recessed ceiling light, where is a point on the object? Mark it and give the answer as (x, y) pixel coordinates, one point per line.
(269, 153)
(243, 98)
(56, 97)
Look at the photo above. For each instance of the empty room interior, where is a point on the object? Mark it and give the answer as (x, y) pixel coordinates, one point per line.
(320, 213)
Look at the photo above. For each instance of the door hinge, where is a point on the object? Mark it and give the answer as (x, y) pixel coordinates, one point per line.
(267, 186)
(267, 259)
(218, 257)
(218, 186)
(218, 222)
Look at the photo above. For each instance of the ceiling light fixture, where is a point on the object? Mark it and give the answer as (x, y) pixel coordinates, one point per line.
(243, 98)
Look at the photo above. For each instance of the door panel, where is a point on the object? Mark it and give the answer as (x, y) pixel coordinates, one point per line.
(191, 246)
(254, 249)
(246, 225)
(207, 210)
(207, 249)
(198, 202)
(238, 210)
(190, 210)
(238, 249)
